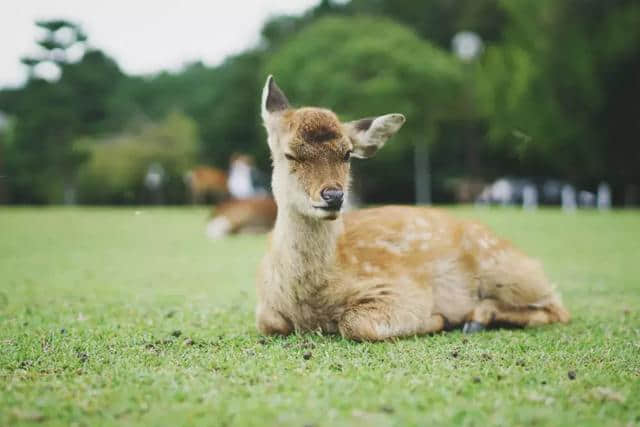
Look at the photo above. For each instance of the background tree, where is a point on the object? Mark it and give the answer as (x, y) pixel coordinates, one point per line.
(61, 40)
(51, 114)
(117, 166)
(439, 20)
(553, 95)
(553, 90)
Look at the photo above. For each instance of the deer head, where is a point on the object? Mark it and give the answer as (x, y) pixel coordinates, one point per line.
(311, 149)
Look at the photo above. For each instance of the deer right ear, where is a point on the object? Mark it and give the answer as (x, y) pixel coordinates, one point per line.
(369, 135)
(273, 99)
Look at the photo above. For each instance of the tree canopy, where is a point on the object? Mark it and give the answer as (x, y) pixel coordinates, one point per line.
(553, 94)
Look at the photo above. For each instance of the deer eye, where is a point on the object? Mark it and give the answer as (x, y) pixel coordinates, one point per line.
(289, 157)
(347, 155)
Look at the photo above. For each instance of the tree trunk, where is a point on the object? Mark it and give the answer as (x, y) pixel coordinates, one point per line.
(422, 173)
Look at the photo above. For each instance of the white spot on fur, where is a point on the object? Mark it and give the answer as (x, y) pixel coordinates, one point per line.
(407, 280)
(383, 330)
(218, 227)
(396, 248)
(370, 268)
(412, 237)
(421, 222)
(487, 242)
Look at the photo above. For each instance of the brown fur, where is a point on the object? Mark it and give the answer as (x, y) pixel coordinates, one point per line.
(248, 215)
(379, 273)
(206, 180)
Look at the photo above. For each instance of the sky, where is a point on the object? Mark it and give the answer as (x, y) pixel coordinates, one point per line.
(143, 36)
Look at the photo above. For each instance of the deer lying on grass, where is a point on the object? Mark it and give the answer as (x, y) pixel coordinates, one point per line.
(254, 215)
(377, 273)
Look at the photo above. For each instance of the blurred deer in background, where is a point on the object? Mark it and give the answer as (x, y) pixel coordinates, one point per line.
(206, 181)
(251, 208)
(254, 215)
(377, 273)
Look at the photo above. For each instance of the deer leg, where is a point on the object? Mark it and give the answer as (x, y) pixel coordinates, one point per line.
(492, 311)
(377, 322)
(271, 322)
(512, 286)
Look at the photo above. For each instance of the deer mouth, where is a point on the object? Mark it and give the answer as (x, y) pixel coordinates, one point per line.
(327, 212)
(327, 208)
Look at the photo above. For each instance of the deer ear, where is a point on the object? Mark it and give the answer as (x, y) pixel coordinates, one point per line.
(273, 99)
(369, 135)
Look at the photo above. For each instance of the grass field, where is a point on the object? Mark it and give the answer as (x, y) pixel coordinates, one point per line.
(112, 316)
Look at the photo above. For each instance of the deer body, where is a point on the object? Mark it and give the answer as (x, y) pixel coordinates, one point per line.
(254, 215)
(205, 180)
(384, 272)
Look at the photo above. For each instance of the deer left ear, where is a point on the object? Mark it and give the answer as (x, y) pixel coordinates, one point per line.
(273, 99)
(369, 135)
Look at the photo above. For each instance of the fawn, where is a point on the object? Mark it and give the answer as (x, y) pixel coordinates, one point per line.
(383, 272)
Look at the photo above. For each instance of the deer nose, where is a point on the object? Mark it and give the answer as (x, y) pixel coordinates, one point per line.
(333, 196)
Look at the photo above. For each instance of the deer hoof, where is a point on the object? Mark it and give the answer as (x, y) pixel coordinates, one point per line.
(473, 327)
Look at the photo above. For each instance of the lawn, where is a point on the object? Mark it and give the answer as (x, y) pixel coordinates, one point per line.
(111, 316)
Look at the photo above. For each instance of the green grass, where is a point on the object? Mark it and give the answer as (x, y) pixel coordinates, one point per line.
(110, 317)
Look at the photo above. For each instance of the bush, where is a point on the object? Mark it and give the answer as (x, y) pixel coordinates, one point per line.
(116, 170)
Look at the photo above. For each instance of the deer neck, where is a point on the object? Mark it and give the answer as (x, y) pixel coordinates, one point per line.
(304, 248)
